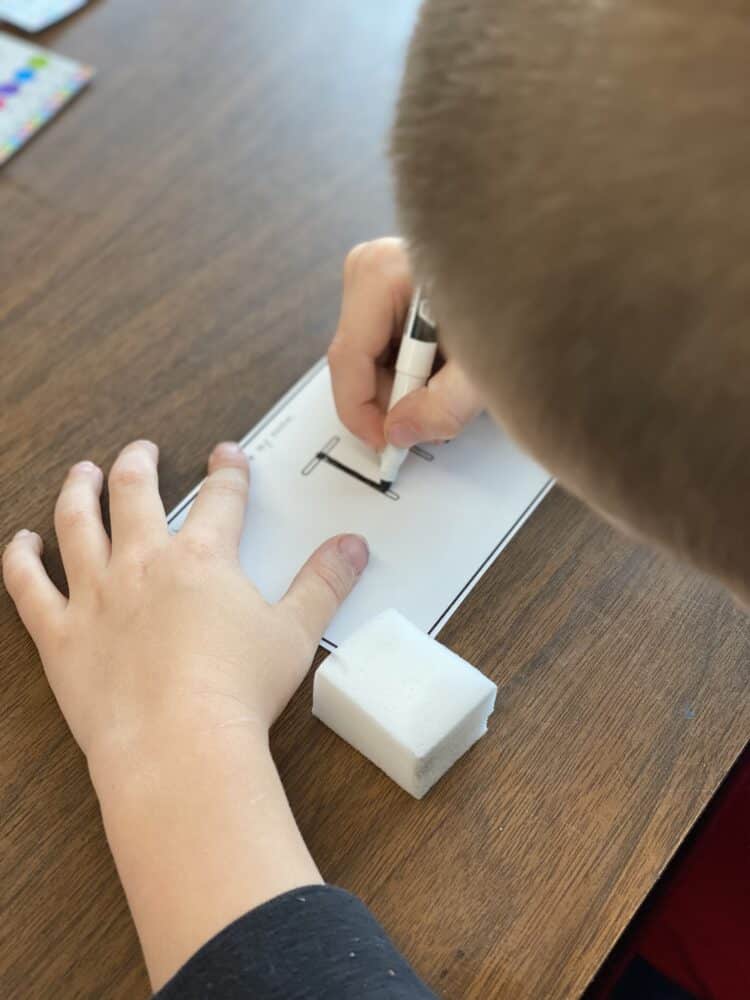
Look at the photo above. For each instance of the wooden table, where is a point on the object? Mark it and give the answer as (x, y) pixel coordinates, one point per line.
(170, 256)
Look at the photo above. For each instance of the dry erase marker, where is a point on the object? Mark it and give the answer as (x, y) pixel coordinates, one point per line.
(416, 357)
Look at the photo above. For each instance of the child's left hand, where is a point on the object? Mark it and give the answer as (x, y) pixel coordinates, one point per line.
(161, 631)
(170, 667)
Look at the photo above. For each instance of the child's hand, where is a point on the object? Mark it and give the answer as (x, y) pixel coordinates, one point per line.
(377, 291)
(169, 668)
(162, 630)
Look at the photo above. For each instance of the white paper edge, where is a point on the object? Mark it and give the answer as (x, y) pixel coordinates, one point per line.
(471, 582)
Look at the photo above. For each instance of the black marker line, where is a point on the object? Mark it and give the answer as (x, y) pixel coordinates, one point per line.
(291, 394)
(323, 457)
(315, 462)
(330, 444)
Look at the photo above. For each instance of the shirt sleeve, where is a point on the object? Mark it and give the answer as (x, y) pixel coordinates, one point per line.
(315, 943)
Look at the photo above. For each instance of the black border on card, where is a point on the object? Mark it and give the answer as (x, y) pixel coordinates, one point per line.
(487, 562)
(495, 552)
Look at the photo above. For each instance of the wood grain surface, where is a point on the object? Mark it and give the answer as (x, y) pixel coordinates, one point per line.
(170, 256)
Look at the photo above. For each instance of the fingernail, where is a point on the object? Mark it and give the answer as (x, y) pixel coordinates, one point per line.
(33, 535)
(403, 435)
(149, 446)
(227, 449)
(354, 549)
(84, 467)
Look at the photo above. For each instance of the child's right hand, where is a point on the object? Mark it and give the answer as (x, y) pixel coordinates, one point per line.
(377, 291)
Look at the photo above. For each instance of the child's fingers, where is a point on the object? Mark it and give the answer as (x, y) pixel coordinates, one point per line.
(84, 545)
(354, 380)
(325, 580)
(40, 604)
(377, 290)
(136, 512)
(217, 515)
(437, 412)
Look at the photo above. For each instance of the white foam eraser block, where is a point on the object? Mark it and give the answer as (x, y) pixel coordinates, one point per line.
(407, 703)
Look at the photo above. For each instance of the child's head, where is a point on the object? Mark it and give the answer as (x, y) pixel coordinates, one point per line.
(573, 174)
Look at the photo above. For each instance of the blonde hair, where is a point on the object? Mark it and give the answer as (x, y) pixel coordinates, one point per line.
(572, 178)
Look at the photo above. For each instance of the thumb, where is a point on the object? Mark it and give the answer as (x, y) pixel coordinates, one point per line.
(437, 412)
(328, 576)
